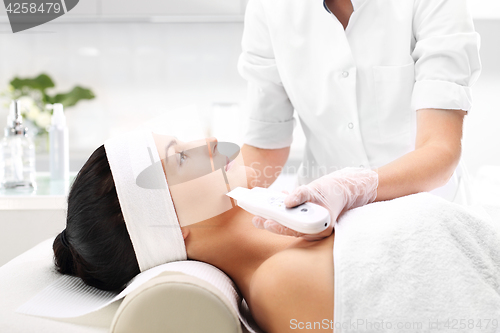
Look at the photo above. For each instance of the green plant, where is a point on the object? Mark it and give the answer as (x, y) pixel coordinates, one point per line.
(36, 101)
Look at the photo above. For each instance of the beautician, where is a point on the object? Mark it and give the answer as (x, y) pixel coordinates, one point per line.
(379, 85)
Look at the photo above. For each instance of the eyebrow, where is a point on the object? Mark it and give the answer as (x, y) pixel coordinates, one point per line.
(170, 144)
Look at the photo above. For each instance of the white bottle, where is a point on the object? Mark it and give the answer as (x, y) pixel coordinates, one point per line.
(59, 149)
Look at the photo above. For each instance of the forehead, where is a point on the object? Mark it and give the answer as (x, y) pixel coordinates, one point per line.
(161, 142)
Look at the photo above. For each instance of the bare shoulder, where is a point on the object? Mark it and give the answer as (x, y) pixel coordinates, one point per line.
(294, 286)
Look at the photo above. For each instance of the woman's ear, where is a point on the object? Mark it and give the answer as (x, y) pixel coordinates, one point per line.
(185, 232)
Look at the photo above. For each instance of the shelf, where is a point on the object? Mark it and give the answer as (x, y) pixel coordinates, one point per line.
(48, 195)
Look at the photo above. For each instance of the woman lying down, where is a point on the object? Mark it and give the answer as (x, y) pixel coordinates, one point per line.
(413, 264)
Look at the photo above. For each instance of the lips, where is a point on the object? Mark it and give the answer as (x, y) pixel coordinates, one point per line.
(229, 164)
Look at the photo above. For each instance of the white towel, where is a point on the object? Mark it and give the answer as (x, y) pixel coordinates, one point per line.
(417, 264)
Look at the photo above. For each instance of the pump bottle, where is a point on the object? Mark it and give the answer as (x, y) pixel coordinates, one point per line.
(59, 150)
(18, 153)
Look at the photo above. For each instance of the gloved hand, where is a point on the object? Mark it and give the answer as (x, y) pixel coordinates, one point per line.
(338, 192)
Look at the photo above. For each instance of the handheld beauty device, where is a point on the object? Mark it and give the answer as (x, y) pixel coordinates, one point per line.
(307, 218)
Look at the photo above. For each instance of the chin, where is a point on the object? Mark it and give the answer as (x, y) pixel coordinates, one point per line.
(251, 175)
(241, 176)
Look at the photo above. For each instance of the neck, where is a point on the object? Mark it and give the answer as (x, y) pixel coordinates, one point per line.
(231, 243)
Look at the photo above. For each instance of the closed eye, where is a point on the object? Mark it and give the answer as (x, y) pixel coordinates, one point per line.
(182, 157)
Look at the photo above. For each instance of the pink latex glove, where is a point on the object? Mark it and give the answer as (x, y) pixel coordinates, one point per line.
(338, 192)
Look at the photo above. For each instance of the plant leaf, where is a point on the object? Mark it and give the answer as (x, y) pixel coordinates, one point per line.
(71, 98)
(41, 82)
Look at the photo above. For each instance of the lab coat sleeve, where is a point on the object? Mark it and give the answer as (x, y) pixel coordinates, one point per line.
(446, 55)
(270, 122)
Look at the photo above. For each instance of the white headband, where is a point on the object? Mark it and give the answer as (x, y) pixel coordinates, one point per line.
(145, 199)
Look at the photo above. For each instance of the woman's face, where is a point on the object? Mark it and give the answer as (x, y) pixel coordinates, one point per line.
(199, 176)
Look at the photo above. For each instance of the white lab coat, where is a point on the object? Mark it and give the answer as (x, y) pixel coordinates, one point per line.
(356, 91)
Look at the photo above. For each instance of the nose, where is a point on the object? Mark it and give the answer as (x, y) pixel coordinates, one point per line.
(212, 144)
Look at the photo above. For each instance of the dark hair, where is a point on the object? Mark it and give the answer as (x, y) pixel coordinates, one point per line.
(99, 248)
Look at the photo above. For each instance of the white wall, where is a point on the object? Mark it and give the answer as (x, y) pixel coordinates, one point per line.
(141, 70)
(137, 70)
(481, 144)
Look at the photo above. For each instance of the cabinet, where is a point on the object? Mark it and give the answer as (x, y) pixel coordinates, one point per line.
(27, 219)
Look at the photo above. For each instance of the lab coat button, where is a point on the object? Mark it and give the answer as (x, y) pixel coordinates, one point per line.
(345, 74)
(350, 125)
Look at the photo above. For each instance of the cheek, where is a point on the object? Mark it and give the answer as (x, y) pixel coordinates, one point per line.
(201, 198)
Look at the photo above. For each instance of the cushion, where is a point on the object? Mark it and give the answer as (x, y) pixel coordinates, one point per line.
(176, 302)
